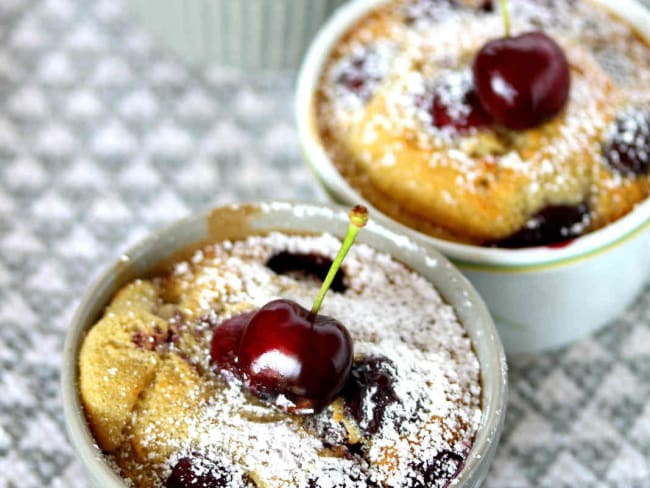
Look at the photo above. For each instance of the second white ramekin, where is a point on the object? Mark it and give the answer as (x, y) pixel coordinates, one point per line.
(540, 298)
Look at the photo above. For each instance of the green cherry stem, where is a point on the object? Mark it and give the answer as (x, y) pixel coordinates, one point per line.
(358, 219)
(505, 13)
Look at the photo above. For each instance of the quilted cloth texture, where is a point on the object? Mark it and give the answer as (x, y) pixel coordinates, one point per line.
(105, 136)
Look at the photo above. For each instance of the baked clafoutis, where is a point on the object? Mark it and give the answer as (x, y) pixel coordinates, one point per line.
(186, 380)
(450, 126)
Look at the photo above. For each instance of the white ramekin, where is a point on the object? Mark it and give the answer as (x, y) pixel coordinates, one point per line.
(541, 297)
(239, 221)
(244, 34)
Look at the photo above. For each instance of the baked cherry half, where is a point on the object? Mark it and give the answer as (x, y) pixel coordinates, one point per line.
(551, 226)
(455, 105)
(522, 81)
(198, 472)
(370, 391)
(293, 358)
(362, 71)
(628, 149)
(225, 345)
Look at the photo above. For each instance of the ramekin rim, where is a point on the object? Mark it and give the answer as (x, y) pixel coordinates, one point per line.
(465, 256)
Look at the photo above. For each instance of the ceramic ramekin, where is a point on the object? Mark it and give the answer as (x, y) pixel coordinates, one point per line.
(540, 298)
(239, 221)
(245, 34)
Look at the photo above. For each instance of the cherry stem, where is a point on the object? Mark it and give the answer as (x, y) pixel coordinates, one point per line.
(358, 219)
(506, 16)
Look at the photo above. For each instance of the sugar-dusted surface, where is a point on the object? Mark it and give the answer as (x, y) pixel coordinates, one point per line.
(422, 433)
(480, 184)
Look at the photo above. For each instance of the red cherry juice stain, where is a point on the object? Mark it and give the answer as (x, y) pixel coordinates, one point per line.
(561, 245)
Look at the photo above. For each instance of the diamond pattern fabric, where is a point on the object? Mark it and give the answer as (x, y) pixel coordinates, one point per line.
(105, 136)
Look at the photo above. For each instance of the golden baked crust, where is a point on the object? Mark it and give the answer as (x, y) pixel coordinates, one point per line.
(124, 385)
(113, 372)
(485, 185)
(152, 398)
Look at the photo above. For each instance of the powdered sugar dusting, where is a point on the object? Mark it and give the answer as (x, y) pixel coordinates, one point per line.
(391, 313)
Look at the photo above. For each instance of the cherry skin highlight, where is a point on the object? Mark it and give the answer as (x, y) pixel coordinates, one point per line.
(288, 351)
(522, 81)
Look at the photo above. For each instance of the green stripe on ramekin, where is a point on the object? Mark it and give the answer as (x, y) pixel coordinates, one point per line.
(507, 323)
(517, 268)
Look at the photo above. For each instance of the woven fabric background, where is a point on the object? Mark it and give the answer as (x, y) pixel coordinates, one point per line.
(104, 137)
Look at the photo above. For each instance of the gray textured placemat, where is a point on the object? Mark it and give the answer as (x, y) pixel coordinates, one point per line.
(103, 138)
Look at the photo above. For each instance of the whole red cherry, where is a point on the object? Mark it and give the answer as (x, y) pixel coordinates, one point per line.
(522, 81)
(287, 350)
(289, 356)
